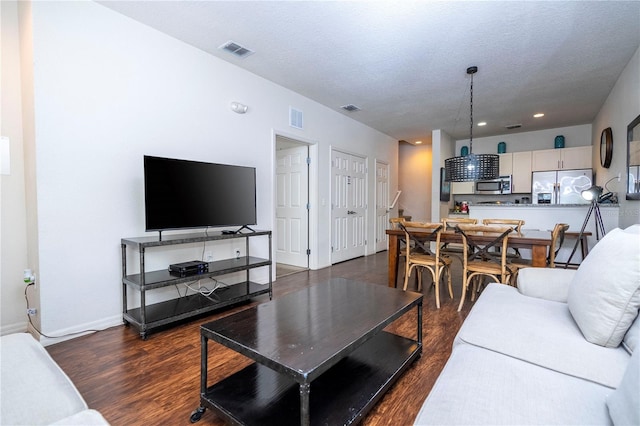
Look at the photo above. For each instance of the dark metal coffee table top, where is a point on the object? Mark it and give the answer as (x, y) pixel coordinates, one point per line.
(304, 333)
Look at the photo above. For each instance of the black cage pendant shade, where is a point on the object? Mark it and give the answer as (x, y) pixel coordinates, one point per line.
(471, 167)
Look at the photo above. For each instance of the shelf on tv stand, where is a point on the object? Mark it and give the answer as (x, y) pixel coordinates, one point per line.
(150, 316)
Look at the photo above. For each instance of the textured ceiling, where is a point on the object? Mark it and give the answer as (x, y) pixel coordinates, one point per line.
(404, 63)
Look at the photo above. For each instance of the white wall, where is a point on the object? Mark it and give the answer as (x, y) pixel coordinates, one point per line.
(108, 90)
(530, 141)
(415, 180)
(621, 107)
(13, 227)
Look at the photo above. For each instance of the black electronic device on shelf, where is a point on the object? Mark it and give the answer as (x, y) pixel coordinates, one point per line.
(185, 269)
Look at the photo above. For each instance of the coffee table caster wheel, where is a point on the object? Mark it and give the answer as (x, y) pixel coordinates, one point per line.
(196, 415)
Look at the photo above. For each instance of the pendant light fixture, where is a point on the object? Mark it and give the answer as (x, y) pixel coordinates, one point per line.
(471, 167)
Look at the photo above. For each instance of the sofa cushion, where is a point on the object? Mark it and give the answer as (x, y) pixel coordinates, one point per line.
(541, 332)
(624, 402)
(604, 295)
(481, 387)
(35, 390)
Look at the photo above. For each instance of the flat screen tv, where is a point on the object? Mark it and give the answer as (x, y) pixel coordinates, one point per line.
(191, 194)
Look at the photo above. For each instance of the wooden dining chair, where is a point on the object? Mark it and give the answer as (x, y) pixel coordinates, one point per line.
(516, 224)
(480, 260)
(557, 239)
(449, 224)
(423, 257)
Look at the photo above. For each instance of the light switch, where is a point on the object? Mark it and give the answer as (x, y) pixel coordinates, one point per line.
(5, 156)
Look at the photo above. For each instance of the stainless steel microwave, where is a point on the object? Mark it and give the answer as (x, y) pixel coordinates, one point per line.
(501, 185)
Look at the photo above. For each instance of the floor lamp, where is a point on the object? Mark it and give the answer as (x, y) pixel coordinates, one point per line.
(593, 194)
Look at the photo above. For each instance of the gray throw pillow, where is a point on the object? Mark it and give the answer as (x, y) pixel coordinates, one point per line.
(604, 295)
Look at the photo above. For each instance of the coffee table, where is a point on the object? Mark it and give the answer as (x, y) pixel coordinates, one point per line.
(322, 356)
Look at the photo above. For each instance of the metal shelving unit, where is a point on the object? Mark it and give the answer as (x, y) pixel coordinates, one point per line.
(147, 317)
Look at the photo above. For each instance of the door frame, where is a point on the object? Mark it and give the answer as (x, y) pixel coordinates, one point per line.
(381, 245)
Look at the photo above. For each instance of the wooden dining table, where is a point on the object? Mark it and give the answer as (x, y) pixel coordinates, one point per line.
(537, 241)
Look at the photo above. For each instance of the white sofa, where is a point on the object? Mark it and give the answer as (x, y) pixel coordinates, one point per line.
(35, 391)
(559, 349)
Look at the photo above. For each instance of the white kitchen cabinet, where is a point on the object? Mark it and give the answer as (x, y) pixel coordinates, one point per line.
(521, 176)
(506, 164)
(462, 187)
(562, 159)
(577, 158)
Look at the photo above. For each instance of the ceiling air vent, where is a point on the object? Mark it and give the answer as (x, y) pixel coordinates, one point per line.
(350, 107)
(295, 118)
(513, 126)
(235, 49)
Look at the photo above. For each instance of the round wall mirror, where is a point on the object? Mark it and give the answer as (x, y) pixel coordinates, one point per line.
(606, 147)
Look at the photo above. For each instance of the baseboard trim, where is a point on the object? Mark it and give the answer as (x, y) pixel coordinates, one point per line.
(62, 335)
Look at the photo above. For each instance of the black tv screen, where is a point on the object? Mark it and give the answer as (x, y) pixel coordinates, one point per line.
(192, 194)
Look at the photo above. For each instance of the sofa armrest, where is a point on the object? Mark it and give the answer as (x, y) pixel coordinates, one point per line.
(83, 418)
(545, 283)
(35, 390)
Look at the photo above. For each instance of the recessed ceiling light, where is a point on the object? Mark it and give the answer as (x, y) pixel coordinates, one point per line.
(538, 115)
(482, 123)
(418, 142)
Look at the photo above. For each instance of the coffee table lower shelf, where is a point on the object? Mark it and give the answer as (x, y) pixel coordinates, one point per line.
(258, 395)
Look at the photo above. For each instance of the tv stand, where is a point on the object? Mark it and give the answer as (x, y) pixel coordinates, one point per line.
(156, 315)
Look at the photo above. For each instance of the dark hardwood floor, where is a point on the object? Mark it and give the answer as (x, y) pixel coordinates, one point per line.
(135, 382)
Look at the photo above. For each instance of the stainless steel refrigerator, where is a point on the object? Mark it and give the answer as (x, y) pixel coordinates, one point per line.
(561, 186)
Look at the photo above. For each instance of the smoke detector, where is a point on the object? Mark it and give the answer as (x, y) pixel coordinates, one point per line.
(236, 49)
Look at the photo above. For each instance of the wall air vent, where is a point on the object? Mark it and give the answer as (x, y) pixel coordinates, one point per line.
(235, 49)
(350, 107)
(513, 126)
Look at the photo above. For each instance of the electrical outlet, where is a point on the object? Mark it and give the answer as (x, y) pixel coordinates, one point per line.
(619, 175)
(29, 277)
(32, 311)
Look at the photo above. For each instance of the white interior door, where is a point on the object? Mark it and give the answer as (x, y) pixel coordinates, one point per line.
(348, 206)
(382, 201)
(292, 213)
